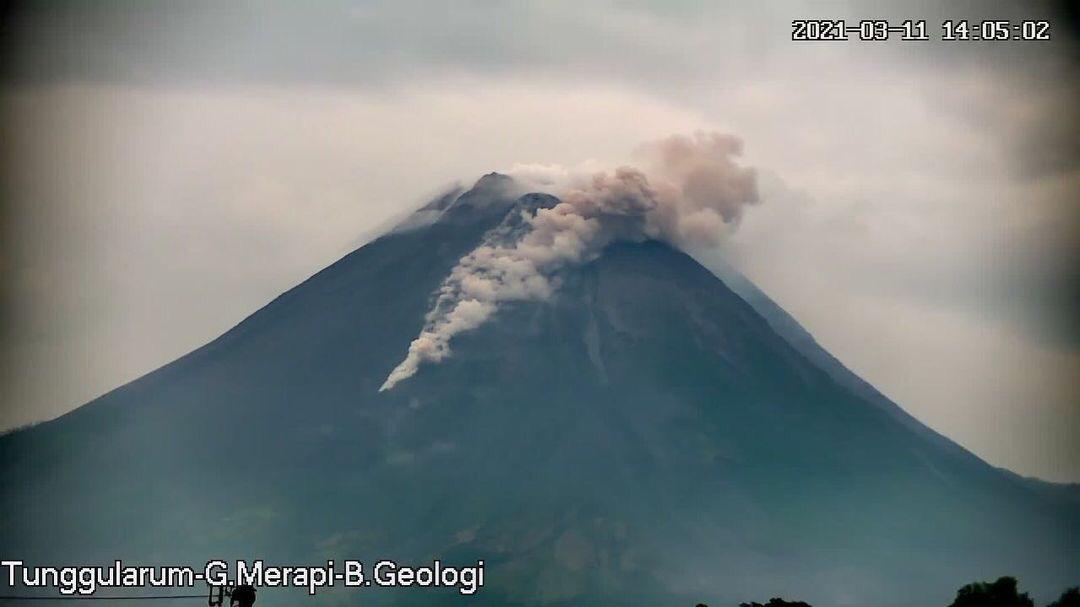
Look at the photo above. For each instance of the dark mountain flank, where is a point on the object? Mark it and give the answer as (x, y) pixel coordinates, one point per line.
(645, 437)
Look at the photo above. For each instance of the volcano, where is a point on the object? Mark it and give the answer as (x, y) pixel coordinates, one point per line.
(652, 434)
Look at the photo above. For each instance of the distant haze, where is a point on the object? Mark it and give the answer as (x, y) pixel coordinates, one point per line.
(169, 168)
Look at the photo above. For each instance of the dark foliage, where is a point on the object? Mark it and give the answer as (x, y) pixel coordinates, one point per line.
(1002, 593)
(1069, 598)
(775, 602)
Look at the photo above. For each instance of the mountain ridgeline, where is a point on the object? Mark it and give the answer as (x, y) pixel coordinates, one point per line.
(647, 436)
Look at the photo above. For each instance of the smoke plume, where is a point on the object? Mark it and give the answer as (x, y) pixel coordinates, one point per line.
(693, 194)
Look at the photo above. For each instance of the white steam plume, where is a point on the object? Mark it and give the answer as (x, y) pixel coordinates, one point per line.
(694, 193)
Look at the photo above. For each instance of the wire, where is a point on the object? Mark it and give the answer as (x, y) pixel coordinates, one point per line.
(102, 598)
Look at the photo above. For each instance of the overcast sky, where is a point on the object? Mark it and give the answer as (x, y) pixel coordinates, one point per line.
(169, 168)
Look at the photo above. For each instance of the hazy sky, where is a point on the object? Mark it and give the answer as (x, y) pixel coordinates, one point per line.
(169, 168)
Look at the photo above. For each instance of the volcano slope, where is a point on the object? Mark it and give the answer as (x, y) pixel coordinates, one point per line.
(646, 437)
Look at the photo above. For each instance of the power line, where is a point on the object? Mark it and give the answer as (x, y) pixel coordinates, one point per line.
(103, 598)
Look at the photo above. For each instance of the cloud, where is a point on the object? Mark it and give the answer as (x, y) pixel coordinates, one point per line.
(694, 191)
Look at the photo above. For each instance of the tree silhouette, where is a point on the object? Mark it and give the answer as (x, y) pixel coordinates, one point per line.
(776, 602)
(1069, 598)
(1001, 593)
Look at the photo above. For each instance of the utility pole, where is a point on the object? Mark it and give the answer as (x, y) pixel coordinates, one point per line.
(242, 596)
(239, 596)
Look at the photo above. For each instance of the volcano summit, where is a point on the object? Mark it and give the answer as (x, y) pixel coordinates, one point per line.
(643, 434)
